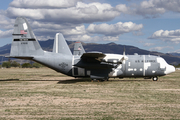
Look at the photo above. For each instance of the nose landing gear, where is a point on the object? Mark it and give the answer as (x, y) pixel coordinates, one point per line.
(155, 78)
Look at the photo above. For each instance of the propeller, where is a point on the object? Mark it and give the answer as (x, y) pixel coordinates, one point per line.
(124, 56)
(114, 59)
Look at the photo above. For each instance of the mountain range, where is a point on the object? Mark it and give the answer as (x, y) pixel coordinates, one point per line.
(173, 58)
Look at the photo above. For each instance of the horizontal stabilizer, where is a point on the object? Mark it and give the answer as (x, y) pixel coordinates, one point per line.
(21, 57)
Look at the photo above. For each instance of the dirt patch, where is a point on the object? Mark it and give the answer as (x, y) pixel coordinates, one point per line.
(46, 94)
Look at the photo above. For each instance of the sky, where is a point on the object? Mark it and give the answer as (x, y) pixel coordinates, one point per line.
(147, 24)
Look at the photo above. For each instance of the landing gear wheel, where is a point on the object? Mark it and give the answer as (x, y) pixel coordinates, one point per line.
(106, 79)
(92, 80)
(155, 78)
(98, 80)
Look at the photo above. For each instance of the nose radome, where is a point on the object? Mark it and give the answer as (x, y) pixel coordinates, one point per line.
(169, 69)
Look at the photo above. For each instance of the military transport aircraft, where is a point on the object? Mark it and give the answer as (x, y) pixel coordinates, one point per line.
(95, 65)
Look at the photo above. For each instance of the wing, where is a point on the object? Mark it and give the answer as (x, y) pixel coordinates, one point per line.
(107, 58)
(99, 64)
(93, 62)
(93, 56)
(98, 60)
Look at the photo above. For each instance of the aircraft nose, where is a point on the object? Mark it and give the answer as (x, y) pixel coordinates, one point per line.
(169, 69)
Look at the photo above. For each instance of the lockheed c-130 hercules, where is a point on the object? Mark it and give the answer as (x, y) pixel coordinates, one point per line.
(95, 65)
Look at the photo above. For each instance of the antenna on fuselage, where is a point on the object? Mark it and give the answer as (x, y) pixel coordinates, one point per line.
(124, 56)
(124, 51)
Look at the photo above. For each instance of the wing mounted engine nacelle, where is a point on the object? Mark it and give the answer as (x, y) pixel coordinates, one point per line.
(114, 58)
(114, 61)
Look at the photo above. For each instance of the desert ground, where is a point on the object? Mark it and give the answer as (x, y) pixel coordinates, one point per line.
(45, 94)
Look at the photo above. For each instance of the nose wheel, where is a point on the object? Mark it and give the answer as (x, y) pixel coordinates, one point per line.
(155, 78)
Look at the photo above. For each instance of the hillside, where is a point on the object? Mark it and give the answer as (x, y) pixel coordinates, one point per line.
(105, 48)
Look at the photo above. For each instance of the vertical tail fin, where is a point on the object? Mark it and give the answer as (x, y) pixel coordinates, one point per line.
(24, 42)
(78, 49)
(60, 45)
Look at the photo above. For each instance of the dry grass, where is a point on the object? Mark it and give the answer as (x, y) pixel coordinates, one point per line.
(46, 94)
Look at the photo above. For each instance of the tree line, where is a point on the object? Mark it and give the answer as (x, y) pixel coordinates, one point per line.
(9, 64)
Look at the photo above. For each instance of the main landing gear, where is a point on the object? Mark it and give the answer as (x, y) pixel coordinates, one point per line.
(155, 78)
(100, 80)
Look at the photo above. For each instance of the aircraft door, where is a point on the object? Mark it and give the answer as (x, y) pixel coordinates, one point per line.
(78, 71)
